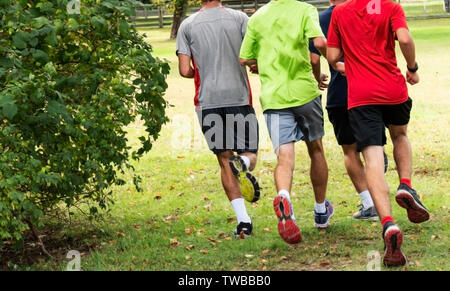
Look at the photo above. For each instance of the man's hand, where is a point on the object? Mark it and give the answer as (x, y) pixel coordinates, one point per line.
(412, 78)
(254, 69)
(323, 79)
(340, 67)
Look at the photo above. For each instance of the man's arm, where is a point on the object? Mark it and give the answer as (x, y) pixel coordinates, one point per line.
(320, 78)
(320, 43)
(334, 55)
(409, 52)
(184, 66)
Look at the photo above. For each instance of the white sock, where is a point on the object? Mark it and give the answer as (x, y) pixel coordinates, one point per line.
(246, 161)
(285, 193)
(320, 208)
(240, 210)
(366, 199)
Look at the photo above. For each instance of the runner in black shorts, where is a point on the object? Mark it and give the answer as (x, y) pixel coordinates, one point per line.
(378, 98)
(206, 41)
(339, 117)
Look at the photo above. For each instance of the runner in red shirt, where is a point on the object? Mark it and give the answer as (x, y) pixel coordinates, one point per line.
(364, 32)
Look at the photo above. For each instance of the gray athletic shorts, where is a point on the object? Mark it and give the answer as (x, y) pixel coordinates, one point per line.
(296, 123)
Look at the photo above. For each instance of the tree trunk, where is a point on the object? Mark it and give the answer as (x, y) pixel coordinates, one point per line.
(178, 14)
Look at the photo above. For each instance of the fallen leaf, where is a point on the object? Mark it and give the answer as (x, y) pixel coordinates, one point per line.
(205, 197)
(121, 234)
(188, 257)
(265, 252)
(230, 219)
(222, 235)
(211, 239)
(325, 263)
(174, 242)
(189, 247)
(180, 194)
(187, 231)
(248, 256)
(136, 226)
(171, 188)
(158, 196)
(262, 261)
(266, 229)
(205, 252)
(208, 206)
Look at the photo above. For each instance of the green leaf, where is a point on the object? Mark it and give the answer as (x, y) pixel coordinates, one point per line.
(72, 24)
(40, 56)
(98, 22)
(124, 27)
(40, 21)
(6, 62)
(9, 110)
(51, 39)
(19, 40)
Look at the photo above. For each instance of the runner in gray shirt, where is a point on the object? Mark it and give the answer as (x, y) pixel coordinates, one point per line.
(208, 46)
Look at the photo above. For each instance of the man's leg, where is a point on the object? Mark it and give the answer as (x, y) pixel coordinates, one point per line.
(285, 167)
(367, 123)
(357, 174)
(402, 151)
(287, 226)
(232, 189)
(376, 180)
(229, 181)
(406, 196)
(319, 170)
(323, 210)
(355, 167)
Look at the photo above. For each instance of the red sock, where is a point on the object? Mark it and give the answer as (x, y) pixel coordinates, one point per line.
(386, 220)
(406, 181)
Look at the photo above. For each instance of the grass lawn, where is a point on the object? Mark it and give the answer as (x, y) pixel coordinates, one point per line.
(183, 221)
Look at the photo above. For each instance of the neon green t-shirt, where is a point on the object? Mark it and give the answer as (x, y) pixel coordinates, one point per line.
(277, 37)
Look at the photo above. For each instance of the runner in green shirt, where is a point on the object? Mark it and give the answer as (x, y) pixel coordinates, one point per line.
(277, 43)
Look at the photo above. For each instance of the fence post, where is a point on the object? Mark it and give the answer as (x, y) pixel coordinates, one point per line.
(161, 17)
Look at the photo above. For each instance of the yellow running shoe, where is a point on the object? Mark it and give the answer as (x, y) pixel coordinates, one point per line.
(249, 185)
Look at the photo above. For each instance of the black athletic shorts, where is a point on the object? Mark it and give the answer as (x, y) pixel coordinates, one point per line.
(230, 128)
(368, 122)
(340, 119)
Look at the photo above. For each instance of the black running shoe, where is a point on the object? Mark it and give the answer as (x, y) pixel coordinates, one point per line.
(407, 198)
(393, 239)
(249, 185)
(243, 230)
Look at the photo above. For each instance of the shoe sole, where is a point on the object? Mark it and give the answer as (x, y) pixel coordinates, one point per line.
(287, 228)
(325, 225)
(416, 213)
(249, 187)
(393, 255)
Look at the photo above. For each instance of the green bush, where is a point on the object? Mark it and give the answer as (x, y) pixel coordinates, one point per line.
(70, 83)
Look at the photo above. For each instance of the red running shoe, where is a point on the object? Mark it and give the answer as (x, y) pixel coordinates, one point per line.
(287, 227)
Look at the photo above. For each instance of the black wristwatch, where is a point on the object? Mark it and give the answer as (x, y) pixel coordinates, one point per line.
(413, 70)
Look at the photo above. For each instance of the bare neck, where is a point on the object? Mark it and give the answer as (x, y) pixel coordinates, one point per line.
(211, 4)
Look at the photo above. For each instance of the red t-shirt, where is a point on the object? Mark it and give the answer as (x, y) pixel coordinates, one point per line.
(368, 42)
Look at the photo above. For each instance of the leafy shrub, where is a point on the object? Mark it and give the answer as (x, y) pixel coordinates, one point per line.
(70, 83)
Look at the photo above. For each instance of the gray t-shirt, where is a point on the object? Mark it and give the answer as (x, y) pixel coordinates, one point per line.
(212, 38)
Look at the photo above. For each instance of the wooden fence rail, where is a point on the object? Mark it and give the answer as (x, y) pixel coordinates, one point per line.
(154, 16)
